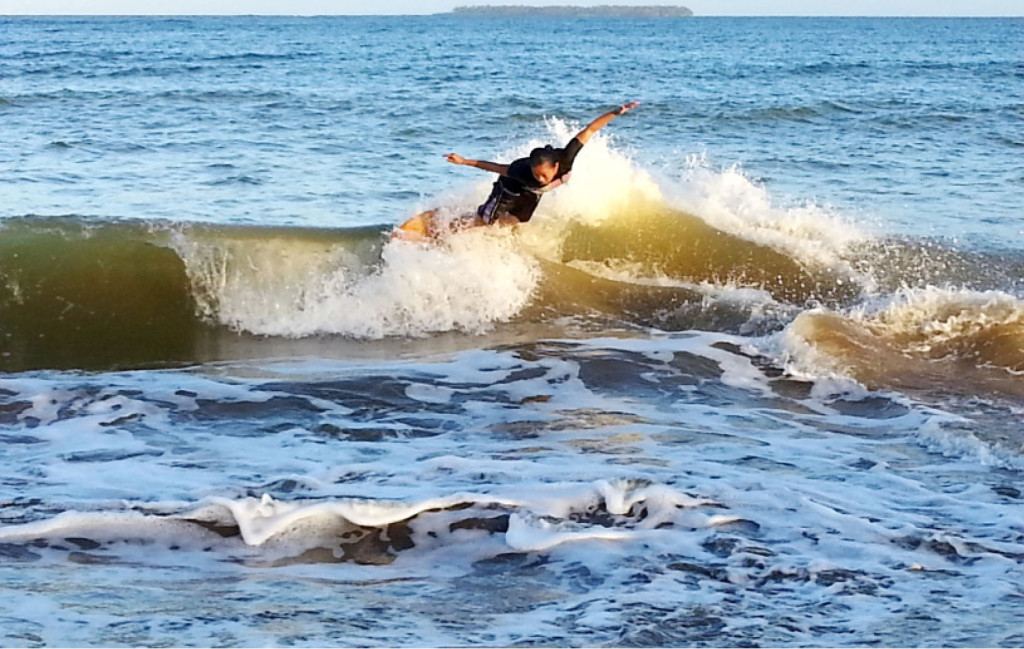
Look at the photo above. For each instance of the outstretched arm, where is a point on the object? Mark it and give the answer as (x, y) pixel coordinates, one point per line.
(603, 121)
(556, 183)
(494, 167)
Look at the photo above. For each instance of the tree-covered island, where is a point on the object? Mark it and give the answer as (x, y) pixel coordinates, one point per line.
(601, 11)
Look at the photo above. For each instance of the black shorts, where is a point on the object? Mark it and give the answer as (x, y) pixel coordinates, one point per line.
(488, 212)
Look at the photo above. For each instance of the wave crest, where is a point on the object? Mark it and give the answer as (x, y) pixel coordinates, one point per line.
(928, 338)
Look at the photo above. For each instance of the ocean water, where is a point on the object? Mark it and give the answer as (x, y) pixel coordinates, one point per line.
(753, 377)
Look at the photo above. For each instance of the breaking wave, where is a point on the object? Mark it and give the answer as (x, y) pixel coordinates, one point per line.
(708, 250)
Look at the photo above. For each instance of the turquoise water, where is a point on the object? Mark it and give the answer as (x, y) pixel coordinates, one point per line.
(751, 378)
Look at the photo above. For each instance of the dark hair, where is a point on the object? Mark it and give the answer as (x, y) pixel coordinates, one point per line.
(545, 155)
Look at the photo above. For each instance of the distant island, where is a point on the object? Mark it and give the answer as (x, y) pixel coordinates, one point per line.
(602, 11)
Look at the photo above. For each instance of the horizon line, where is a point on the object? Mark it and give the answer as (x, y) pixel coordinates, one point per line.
(450, 13)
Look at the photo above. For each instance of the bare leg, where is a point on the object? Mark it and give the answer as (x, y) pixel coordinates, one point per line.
(426, 225)
(465, 222)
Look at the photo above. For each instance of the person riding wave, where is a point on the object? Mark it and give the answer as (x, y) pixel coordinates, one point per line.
(520, 184)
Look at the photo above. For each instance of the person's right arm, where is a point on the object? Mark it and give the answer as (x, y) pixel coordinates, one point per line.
(494, 167)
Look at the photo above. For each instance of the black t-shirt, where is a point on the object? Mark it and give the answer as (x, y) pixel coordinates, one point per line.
(516, 193)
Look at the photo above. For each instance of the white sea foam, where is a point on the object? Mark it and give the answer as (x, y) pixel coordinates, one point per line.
(912, 331)
(472, 281)
(632, 486)
(730, 201)
(937, 321)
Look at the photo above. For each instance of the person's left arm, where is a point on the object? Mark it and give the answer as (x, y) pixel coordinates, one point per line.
(556, 183)
(581, 138)
(602, 121)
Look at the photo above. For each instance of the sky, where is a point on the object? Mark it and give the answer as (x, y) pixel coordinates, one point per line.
(700, 7)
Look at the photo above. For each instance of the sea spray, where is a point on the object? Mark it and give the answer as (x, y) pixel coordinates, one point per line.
(279, 288)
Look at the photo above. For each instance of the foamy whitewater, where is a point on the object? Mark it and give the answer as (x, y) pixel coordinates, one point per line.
(752, 377)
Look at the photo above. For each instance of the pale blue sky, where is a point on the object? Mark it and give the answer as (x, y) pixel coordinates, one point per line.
(701, 7)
